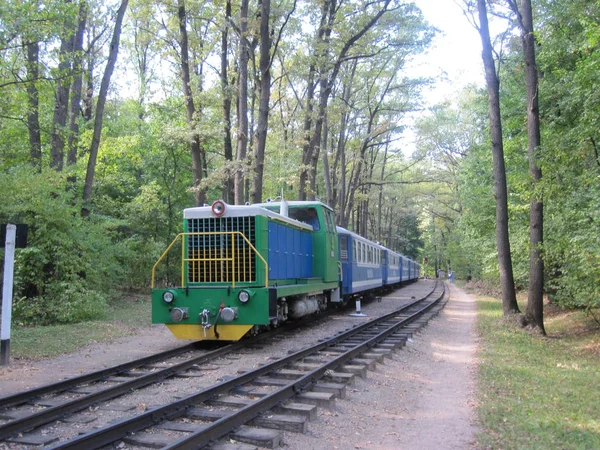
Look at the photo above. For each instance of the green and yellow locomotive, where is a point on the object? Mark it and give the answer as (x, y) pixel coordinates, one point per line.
(248, 267)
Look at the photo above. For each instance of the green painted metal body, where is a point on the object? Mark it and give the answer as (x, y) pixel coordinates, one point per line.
(261, 308)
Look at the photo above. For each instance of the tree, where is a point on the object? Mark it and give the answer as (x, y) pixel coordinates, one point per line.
(228, 194)
(328, 77)
(242, 105)
(264, 96)
(73, 142)
(509, 299)
(110, 65)
(198, 156)
(33, 98)
(534, 314)
(61, 105)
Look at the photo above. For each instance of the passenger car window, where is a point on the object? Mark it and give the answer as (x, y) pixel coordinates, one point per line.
(344, 248)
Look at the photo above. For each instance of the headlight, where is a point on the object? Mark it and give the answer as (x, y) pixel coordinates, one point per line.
(168, 296)
(218, 208)
(243, 296)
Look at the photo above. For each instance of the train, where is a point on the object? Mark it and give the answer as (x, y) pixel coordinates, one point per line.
(246, 268)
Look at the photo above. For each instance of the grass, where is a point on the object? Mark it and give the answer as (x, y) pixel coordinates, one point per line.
(124, 317)
(536, 392)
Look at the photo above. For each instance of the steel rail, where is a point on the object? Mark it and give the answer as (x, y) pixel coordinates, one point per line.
(118, 430)
(68, 407)
(60, 411)
(223, 426)
(64, 385)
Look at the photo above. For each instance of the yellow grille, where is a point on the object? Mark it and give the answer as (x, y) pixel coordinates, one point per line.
(219, 258)
(216, 257)
(219, 250)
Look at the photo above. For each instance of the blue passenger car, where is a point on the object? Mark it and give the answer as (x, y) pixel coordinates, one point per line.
(392, 271)
(361, 263)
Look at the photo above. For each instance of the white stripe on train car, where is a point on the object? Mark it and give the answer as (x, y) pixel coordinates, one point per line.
(374, 282)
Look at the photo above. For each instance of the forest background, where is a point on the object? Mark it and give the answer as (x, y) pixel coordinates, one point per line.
(311, 103)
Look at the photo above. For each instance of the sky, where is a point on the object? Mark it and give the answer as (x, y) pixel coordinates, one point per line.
(454, 60)
(456, 51)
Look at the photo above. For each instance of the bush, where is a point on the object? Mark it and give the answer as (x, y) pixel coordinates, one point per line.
(65, 274)
(63, 303)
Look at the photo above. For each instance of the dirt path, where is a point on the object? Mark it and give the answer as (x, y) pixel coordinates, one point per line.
(422, 398)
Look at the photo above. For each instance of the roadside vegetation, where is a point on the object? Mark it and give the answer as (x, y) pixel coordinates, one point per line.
(124, 317)
(538, 392)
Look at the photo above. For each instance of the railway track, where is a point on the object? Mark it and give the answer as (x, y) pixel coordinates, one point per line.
(261, 397)
(26, 410)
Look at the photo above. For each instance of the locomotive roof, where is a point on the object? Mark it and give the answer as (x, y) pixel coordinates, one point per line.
(295, 204)
(205, 212)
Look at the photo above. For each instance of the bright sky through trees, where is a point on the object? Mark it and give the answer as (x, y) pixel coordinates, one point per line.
(455, 57)
(453, 62)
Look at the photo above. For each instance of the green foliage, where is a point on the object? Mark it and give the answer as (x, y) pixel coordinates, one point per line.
(62, 302)
(569, 59)
(64, 273)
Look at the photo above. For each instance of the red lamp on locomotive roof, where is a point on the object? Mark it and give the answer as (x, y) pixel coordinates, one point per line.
(219, 208)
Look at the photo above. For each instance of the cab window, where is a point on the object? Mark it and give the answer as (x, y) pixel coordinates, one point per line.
(306, 215)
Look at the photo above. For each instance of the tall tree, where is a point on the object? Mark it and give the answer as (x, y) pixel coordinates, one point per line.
(320, 52)
(61, 101)
(509, 298)
(534, 314)
(228, 194)
(77, 84)
(263, 103)
(33, 99)
(108, 71)
(327, 83)
(198, 156)
(242, 106)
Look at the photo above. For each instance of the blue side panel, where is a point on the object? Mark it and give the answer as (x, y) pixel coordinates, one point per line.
(346, 277)
(385, 268)
(306, 249)
(275, 254)
(393, 275)
(346, 263)
(290, 252)
(364, 278)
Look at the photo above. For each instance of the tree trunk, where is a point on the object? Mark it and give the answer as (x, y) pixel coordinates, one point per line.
(227, 145)
(328, 81)
(308, 120)
(509, 298)
(110, 66)
(326, 168)
(33, 99)
(380, 196)
(77, 85)
(342, 201)
(323, 33)
(242, 107)
(196, 150)
(534, 314)
(61, 105)
(263, 105)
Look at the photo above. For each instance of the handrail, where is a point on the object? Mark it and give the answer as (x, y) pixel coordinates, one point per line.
(211, 233)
